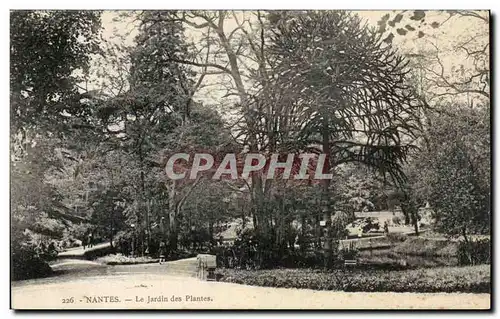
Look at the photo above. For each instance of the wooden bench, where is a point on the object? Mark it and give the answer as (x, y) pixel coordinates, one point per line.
(350, 262)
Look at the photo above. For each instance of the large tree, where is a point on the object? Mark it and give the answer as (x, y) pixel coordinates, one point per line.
(351, 93)
(48, 51)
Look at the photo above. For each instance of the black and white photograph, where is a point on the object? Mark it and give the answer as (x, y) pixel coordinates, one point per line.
(250, 159)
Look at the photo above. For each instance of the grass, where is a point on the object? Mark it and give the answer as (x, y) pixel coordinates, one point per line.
(390, 257)
(416, 252)
(475, 279)
(427, 247)
(120, 259)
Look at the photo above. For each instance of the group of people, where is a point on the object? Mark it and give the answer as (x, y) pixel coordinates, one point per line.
(88, 240)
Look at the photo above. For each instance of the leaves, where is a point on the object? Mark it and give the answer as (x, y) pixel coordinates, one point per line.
(401, 31)
(409, 27)
(418, 15)
(47, 48)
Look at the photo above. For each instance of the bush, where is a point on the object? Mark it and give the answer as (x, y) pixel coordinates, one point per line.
(29, 260)
(474, 279)
(474, 252)
(28, 264)
(252, 250)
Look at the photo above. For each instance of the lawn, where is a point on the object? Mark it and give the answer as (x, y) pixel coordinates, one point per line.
(475, 279)
(416, 252)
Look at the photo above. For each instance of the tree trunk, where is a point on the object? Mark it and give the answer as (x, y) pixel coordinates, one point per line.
(111, 234)
(415, 224)
(325, 184)
(173, 231)
(303, 232)
(211, 229)
(317, 229)
(243, 218)
(464, 234)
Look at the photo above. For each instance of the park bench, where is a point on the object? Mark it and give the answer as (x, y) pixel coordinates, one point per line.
(206, 267)
(350, 262)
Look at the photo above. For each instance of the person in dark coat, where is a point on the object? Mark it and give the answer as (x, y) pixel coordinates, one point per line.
(386, 228)
(162, 251)
(90, 240)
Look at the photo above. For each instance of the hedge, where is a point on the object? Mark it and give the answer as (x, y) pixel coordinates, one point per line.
(475, 279)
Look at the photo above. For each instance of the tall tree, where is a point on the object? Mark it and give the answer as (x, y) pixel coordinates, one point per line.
(48, 49)
(352, 94)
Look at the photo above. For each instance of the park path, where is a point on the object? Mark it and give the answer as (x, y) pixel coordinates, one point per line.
(173, 286)
(78, 252)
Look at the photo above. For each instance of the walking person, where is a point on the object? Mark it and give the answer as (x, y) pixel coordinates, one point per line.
(84, 241)
(162, 252)
(386, 228)
(90, 240)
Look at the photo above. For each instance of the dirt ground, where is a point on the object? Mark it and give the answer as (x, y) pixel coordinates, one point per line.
(160, 291)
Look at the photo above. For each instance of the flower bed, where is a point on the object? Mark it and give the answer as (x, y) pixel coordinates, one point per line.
(120, 259)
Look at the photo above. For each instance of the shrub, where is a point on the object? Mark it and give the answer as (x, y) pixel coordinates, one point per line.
(29, 260)
(120, 259)
(27, 264)
(474, 252)
(252, 250)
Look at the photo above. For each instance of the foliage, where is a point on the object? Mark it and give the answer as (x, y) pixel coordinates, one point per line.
(340, 80)
(474, 252)
(48, 51)
(27, 263)
(47, 48)
(28, 259)
(457, 172)
(360, 188)
(473, 279)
